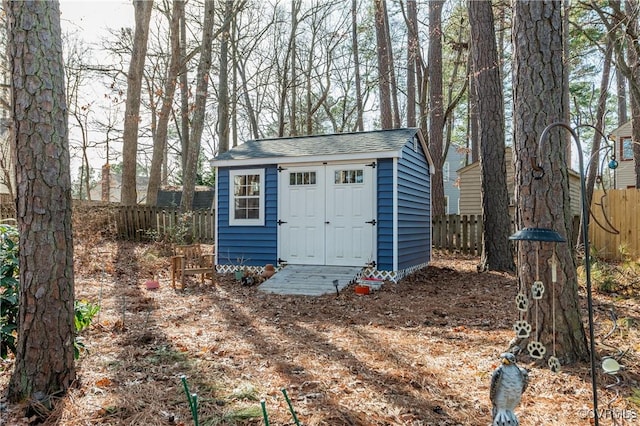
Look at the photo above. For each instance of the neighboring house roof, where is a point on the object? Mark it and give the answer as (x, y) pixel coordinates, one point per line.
(202, 198)
(622, 130)
(378, 144)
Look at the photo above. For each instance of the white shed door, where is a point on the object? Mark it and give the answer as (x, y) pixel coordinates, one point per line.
(326, 215)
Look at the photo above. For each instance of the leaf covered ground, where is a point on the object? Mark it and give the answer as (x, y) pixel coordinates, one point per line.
(419, 352)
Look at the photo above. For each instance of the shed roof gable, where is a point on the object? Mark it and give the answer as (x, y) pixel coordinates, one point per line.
(372, 143)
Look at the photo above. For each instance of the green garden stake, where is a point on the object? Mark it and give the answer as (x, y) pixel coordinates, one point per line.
(194, 399)
(264, 412)
(183, 378)
(293, 413)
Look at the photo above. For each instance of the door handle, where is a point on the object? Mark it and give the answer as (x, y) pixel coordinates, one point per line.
(327, 222)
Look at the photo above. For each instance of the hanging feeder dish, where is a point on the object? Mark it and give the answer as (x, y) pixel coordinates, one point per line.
(538, 234)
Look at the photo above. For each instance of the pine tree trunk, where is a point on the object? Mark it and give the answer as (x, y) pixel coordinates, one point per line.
(436, 105)
(497, 253)
(44, 364)
(544, 203)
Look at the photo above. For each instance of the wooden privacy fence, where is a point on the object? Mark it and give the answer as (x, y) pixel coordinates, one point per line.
(7, 211)
(614, 229)
(142, 223)
(463, 233)
(457, 233)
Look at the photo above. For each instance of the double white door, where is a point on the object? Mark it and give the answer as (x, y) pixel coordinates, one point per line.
(326, 214)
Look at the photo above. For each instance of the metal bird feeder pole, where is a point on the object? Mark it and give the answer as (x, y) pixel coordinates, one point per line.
(538, 234)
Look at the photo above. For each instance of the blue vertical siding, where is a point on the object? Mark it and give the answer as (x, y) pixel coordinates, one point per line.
(414, 208)
(384, 208)
(256, 245)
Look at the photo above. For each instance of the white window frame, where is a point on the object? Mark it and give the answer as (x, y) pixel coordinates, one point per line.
(246, 222)
(445, 171)
(623, 144)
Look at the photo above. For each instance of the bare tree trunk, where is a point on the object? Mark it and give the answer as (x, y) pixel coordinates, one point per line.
(412, 59)
(223, 85)
(544, 203)
(436, 108)
(234, 89)
(129, 194)
(497, 252)
(253, 121)
(160, 135)
(393, 85)
(185, 125)
(621, 90)
(473, 143)
(44, 363)
(356, 64)
(202, 87)
(293, 122)
(285, 83)
(386, 113)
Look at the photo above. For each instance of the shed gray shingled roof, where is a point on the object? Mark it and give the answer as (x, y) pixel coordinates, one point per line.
(318, 145)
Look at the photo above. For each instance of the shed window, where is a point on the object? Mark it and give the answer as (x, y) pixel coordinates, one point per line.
(246, 197)
(626, 149)
(302, 178)
(349, 176)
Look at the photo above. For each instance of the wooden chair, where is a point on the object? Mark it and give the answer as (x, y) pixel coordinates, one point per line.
(191, 260)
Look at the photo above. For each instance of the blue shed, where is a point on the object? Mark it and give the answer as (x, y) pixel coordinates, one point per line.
(350, 199)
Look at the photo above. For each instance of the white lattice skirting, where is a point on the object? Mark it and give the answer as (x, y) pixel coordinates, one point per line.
(368, 272)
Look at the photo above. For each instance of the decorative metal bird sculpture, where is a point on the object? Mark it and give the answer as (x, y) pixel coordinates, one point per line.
(508, 383)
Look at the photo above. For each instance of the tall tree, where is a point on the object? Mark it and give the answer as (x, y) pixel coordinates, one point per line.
(497, 253)
(356, 65)
(412, 60)
(197, 126)
(436, 105)
(621, 92)
(286, 83)
(393, 84)
(185, 92)
(223, 84)
(544, 203)
(384, 67)
(160, 134)
(44, 365)
(143, 10)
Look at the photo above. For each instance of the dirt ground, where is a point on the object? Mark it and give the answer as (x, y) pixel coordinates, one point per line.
(419, 352)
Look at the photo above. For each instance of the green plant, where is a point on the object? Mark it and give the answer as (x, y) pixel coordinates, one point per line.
(84, 311)
(178, 234)
(8, 289)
